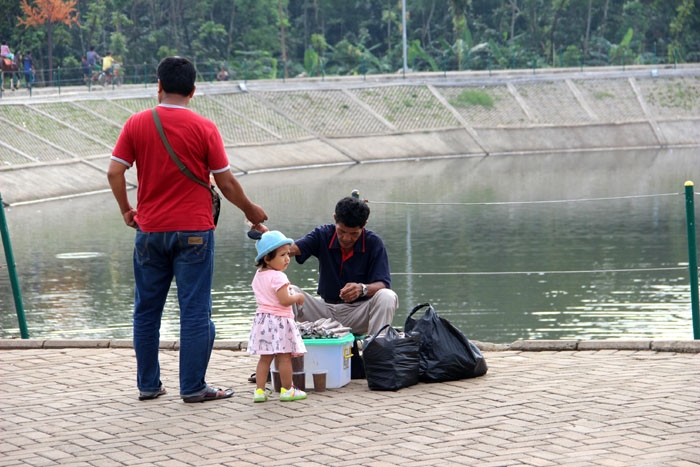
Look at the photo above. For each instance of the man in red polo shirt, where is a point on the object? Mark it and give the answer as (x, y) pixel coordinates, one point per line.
(174, 227)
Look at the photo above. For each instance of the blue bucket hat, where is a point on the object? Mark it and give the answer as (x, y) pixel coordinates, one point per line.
(270, 241)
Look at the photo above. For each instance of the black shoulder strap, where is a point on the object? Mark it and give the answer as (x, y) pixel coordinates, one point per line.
(173, 156)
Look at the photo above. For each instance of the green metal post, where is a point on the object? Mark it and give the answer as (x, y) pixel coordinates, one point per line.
(9, 257)
(59, 80)
(675, 59)
(692, 258)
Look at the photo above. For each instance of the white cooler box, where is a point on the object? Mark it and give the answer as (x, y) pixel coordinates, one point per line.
(333, 356)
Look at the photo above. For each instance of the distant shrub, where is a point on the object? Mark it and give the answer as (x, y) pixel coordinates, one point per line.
(472, 97)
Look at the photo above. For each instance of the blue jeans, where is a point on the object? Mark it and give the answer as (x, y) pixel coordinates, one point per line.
(189, 257)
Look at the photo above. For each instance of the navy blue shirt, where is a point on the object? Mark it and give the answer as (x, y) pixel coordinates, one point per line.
(368, 263)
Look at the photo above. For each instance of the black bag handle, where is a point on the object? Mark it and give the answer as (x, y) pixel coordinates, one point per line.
(418, 308)
(376, 334)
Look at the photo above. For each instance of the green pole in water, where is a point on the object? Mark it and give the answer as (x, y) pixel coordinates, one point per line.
(10, 259)
(692, 258)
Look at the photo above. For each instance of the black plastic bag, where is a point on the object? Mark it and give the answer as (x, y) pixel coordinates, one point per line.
(391, 360)
(445, 353)
(357, 366)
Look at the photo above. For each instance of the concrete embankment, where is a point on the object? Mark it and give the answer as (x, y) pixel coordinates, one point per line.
(57, 145)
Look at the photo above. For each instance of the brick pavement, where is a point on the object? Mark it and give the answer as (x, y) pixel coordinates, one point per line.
(598, 407)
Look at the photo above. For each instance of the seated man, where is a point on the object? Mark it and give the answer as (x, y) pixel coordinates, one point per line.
(354, 278)
(222, 75)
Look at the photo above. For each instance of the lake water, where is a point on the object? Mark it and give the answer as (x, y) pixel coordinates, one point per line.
(506, 247)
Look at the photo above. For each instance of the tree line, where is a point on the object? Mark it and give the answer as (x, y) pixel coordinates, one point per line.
(286, 38)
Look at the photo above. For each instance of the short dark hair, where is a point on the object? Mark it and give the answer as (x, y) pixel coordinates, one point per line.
(177, 75)
(351, 212)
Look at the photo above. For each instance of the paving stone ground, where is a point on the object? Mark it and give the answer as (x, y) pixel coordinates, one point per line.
(609, 407)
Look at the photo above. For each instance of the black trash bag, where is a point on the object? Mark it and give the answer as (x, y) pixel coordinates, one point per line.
(357, 366)
(445, 353)
(392, 360)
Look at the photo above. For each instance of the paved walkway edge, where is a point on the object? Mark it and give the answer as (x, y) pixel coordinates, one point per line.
(685, 346)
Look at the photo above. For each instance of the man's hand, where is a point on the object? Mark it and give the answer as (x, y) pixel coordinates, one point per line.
(351, 292)
(129, 218)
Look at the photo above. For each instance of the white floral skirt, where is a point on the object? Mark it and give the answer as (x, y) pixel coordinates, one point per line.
(272, 334)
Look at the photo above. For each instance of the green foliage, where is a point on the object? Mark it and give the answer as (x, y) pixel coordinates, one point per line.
(473, 97)
(311, 63)
(318, 42)
(365, 36)
(622, 54)
(211, 42)
(117, 45)
(70, 71)
(600, 95)
(628, 38)
(571, 57)
(255, 65)
(419, 60)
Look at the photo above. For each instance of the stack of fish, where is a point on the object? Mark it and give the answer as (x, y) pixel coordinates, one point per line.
(324, 328)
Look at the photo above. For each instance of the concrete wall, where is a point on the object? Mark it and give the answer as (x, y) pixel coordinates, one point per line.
(59, 145)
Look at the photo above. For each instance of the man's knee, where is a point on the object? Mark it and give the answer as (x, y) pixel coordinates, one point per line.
(387, 298)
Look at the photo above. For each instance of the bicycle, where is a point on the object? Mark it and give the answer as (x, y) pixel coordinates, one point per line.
(115, 77)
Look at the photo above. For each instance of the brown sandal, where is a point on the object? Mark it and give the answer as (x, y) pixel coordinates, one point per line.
(210, 394)
(144, 396)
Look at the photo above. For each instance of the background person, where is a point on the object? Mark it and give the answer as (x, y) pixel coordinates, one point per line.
(175, 228)
(92, 57)
(87, 71)
(6, 52)
(28, 63)
(108, 66)
(274, 333)
(222, 75)
(354, 278)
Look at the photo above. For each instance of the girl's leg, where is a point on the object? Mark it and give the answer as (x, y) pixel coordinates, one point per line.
(284, 361)
(262, 370)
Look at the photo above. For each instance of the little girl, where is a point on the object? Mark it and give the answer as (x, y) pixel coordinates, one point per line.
(274, 333)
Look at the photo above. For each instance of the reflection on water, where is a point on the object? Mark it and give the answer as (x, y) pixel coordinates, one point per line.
(491, 253)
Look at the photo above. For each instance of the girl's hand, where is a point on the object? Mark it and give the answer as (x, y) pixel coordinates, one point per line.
(259, 227)
(300, 299)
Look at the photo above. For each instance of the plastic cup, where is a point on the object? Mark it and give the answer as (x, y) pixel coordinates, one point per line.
(319, 381)
(299, 380)
(276, 381)
(298, 364)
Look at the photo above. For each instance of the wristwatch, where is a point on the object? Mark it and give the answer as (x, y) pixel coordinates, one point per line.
(364, 290)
